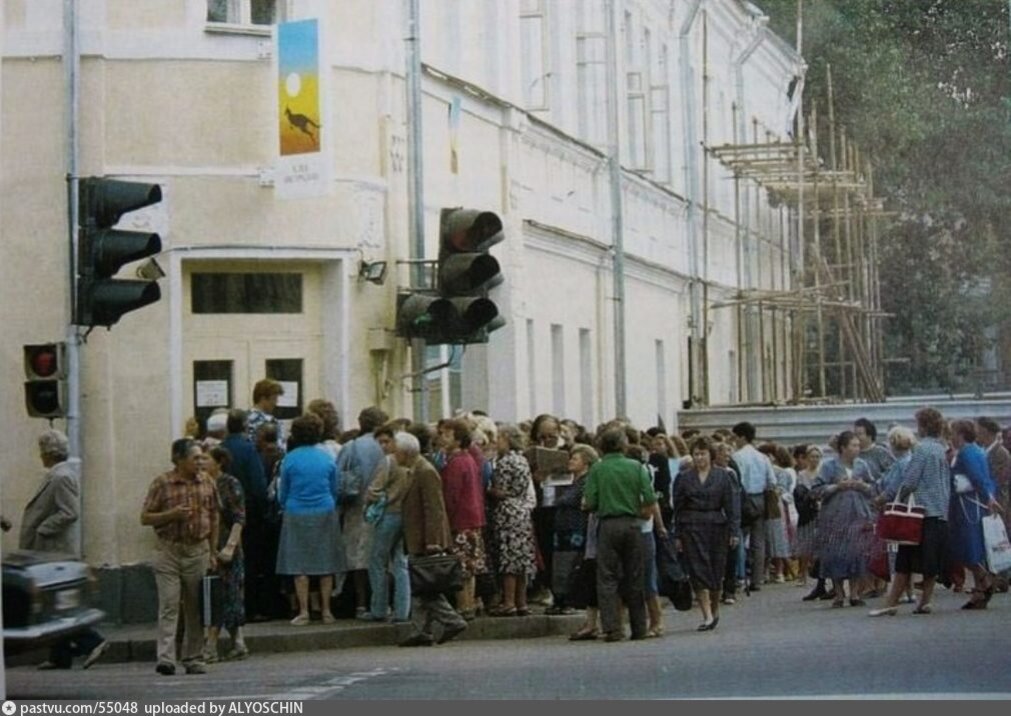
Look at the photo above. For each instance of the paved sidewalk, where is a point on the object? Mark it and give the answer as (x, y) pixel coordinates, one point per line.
(136, 642)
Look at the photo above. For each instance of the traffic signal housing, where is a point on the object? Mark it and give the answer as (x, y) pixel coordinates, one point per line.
(458, 310)
(102, 250)
(45, 387)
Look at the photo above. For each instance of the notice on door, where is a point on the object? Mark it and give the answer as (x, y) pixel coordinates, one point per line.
(290, 397)
(212, 393)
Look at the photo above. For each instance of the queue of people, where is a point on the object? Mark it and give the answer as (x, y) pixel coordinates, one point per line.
(544, 513)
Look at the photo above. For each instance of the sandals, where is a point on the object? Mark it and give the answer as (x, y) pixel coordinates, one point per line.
(237, 654)
(522, 612)
(655, 633)
(300, 620)
(503, 612)
(924, 609)
(980, 598)
(584, 635)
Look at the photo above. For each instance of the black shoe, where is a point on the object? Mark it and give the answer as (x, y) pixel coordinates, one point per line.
(614, 636)
(816, 593)
(451, 632)
(417, 640)
(754, 588)
(827, 595)
(166, 669)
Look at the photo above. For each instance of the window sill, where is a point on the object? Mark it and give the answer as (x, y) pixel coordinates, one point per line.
(228, 28)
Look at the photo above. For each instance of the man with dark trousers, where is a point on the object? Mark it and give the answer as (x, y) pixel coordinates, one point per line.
(619, 491)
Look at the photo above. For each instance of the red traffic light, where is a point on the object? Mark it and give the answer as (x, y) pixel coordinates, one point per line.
(44, 360)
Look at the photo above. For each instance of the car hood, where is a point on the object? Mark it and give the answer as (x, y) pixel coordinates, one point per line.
(46, 568)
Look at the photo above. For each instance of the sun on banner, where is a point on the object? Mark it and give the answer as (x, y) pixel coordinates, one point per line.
(302, 131)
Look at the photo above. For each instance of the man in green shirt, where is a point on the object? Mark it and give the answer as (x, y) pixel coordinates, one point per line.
(619, 491)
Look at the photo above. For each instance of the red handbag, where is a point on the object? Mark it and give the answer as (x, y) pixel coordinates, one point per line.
(901, 523)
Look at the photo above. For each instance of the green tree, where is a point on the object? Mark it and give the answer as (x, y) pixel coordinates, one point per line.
(924, 88)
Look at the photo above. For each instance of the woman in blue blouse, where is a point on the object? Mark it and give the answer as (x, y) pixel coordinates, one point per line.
(846, 520)
(311, 542)
(973, 494)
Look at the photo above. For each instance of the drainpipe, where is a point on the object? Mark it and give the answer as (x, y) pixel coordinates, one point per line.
(72, 77)
(617, 226)
(691, 195)
(416, 195)
(756, 30)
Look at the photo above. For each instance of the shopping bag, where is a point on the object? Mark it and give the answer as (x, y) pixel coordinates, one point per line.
(211, 600)
(435, 574)
(998, 548)
(901, 523)
(671, 578)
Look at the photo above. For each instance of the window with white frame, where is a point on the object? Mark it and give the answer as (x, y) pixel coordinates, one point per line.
(659, 103)
(636, 109)
(591, 72)
(534, 50)
(557, 369)
(247, 12)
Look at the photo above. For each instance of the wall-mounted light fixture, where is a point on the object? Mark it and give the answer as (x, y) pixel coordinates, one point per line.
(150, 270)
(372, 271)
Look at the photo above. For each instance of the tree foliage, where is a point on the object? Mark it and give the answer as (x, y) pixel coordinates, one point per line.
(924, 88)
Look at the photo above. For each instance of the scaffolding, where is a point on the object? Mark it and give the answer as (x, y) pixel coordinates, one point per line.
(833, 310)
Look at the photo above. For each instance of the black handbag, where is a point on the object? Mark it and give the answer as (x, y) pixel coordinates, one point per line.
(751, 511)
(435, 574)
(582, 585)
(671, 578)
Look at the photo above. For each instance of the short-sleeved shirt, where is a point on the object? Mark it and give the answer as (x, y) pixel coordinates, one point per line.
(173, 490)
(618, 487)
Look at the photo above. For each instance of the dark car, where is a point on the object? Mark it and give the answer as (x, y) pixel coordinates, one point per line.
(45, 598)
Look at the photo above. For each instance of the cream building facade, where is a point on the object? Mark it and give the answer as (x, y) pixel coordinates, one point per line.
(183, 93)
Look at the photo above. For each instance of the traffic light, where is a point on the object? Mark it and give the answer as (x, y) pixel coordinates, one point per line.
(102, 300)
(458, 310)
(45, 369)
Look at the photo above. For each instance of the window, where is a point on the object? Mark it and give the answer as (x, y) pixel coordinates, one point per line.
(659, 102)
(246, 12)
(591, 78)
(533, 47)
(212, 387)
(586, 376)
(246, 293)
(445, 386)
(661, 380)
(531, 368)
(636, 121)
(557, 369)
(287, 372)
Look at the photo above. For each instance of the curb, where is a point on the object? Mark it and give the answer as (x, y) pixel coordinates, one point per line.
(282, 638)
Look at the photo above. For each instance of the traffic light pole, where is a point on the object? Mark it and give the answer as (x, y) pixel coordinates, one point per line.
(617, 226)
(416, 196)
(72, 65)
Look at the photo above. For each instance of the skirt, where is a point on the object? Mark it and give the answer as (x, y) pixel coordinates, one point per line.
(777, 546)
(310, 545)
(468, 546)
(705, 551)
(357, 537)
(926, 558)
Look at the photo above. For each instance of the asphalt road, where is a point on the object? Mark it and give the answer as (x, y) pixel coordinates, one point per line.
(769, 645)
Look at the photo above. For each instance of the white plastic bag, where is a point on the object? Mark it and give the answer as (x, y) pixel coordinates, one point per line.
(998, 548)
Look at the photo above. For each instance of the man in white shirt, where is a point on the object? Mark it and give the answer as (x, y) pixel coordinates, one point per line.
(756, 477)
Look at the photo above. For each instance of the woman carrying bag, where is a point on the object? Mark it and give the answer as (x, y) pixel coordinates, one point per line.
(927, 478)
(974, 495)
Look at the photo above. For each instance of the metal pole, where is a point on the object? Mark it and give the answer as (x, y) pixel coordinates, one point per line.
(416, 195)
(617, 238)
(72, 76)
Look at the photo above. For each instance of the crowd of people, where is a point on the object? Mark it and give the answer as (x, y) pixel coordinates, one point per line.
(305, 522)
